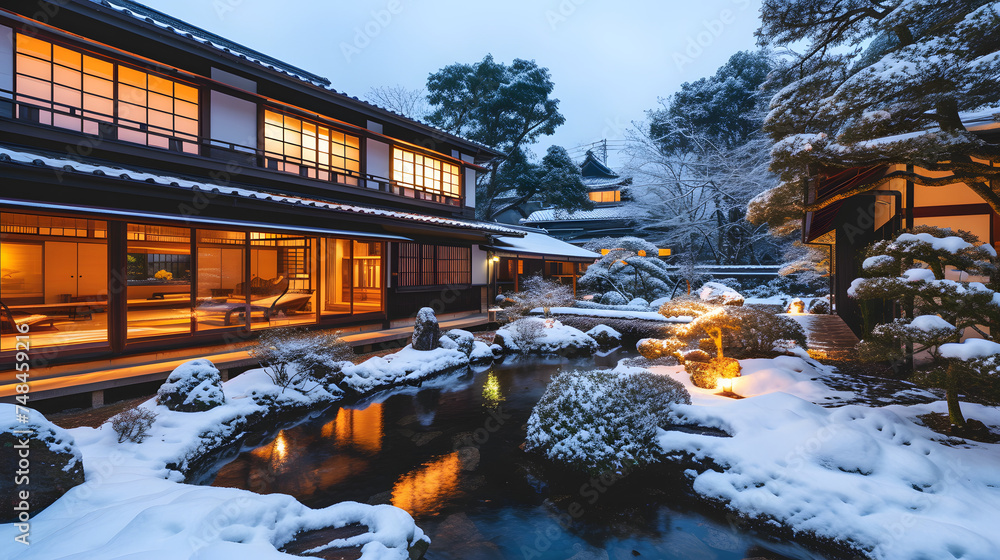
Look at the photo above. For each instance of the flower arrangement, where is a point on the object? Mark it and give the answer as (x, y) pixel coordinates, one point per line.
(164, 275)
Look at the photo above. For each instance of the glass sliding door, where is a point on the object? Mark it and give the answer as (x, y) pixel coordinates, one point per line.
(54, 278)
(337, 277)
(158, 269)
(223, 292)
(282, 271)
(367, 268)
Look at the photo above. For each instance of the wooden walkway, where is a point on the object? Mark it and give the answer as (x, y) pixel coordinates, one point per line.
(828, 334)
(96, 376)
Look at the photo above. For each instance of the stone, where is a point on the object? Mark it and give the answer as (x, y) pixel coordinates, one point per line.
(426, 333)
(463, 339)
(606, 337)
(505, 342)
(194, 386)
(54, 463)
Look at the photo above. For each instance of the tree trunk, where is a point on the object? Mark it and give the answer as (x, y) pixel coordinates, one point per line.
(954, 406)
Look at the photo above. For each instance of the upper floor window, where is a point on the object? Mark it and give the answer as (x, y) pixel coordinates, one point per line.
(605, 196)
(309, 149)
(63, 87)
(426, 177)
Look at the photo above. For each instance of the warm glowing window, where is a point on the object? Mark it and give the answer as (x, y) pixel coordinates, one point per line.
(606, 196)
(309, 149)
(422, 173)
(63, 87)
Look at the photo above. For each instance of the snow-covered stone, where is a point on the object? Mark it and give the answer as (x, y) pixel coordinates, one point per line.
(426, 332)
(605, 336)
(719, 294)
(464, 340)
(193, 386)
(409, 365)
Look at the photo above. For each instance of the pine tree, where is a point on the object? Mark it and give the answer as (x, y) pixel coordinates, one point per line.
(912, 269)
(899, 100)
(631, 268)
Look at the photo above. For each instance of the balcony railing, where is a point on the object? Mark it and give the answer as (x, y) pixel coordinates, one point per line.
(104, 127)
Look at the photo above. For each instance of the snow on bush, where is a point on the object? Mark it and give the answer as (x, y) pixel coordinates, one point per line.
(613, 298)
(297, 357)
(631, 269)
(545, 336)
(537, 292)
(133, 424)
(193, 386)
(760, 330)
(602, 420)
(719, 294)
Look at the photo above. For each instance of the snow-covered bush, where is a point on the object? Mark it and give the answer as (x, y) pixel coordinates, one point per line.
(133, 424)
(631, 268)
(694, 356)
(193, 386)
(537, 292)
(613, 298)
(602, 420)
(525, 332)
(605, 336)
(638, 302)
(760, 330)
(292, 356)
(719, 294)
(820, 306)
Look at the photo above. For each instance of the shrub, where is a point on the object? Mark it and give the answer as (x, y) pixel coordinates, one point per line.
(536, 292)
(695, 356)
(760, 330)
(654, 348)
(292, 356)
(602, 420)
(525, 333)
(193, 386)
(133, 424)
(707, 374)
(820, 306)
(613, 298)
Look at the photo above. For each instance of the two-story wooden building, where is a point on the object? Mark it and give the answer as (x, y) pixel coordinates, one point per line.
(162, 187)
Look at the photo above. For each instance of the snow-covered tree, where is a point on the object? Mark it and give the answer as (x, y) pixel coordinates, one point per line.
(698, 160)
(913, 269)
(556, 181)
(879, 83)
(631, 268)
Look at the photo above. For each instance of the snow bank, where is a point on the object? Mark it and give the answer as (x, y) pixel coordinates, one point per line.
(874, 479)
(406, 366)
(138, 517)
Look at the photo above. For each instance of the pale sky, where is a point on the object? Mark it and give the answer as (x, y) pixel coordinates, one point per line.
(609, 59)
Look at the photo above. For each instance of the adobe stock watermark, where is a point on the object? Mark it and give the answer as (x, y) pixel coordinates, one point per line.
(562, 12)
(707, 33)
(365, 34)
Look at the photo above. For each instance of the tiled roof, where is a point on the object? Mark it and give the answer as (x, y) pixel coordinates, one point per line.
(595, 183)
(170, 23)
(560, 215)
(20, 156)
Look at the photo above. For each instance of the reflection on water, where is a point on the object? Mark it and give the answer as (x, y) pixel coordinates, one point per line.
(361, 429)
(492, 396)
(449, 453)
(425, 490)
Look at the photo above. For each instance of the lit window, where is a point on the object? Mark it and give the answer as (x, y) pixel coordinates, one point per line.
(65, 88)
(309, 149)
(606, 196)
(426, 175)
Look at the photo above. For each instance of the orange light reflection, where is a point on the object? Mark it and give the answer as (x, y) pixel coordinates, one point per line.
(423, 492)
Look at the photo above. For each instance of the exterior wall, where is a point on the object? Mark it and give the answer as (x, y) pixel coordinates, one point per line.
(480, 266)
(233, 120)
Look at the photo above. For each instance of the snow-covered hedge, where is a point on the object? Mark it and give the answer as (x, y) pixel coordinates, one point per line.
(602, 420)
(193, 386)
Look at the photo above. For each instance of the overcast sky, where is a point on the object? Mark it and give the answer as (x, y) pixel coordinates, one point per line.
(610, 59)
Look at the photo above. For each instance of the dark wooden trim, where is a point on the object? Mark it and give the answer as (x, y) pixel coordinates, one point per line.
(117, 285)
(952, 210)
(910, 193)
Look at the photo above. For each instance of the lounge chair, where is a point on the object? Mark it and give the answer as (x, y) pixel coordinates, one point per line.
(277, 299)
(9, 323)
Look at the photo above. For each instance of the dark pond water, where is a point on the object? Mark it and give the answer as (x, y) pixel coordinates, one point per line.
(449, 454)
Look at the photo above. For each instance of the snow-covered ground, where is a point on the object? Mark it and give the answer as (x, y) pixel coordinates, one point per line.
(134, 503)
(871, 477)
(615, 314)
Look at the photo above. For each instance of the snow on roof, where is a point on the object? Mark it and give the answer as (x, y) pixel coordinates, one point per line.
(540, 244)
(593, 183)
(560, 215)
(184, 29)
(74, 165)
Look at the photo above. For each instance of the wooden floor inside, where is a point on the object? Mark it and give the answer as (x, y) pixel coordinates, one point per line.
(96, 376)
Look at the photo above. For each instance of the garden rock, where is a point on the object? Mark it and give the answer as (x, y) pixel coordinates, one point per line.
(426, 332)
(463, 339)
(606, 337)
(56, 464)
